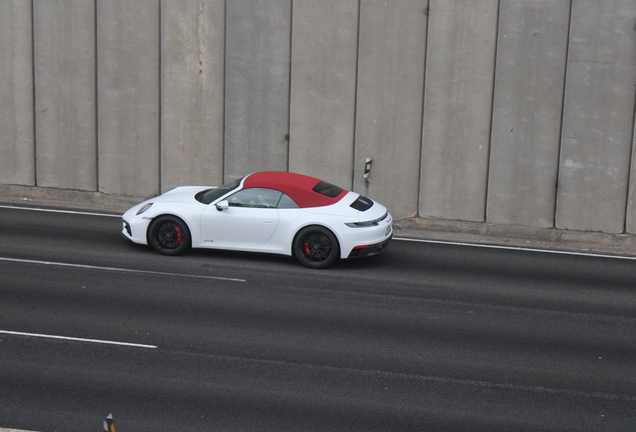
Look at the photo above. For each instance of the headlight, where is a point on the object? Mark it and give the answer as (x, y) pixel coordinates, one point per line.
(143, 209)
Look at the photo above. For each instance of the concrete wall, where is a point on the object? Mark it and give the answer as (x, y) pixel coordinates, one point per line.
(457, 108)
(598, 122)
(389, 103)
(17, 159)
(128, 96)
(258, 57)
(503, 111)
(192, 92)
(528, 101)
(323, 89)
(64, 41)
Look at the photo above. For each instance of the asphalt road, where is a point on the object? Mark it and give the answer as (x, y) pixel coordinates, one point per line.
(426, 337)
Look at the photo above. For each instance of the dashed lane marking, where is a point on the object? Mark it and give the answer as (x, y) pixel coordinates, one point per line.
(77, 339)
(13, 430)
(77, 212)
(118, 269)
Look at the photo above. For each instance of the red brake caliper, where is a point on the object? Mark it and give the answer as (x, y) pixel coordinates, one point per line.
(307, 250)
(179, 234)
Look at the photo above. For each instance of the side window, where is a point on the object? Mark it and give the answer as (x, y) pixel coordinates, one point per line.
(286, 203)
(255, 197)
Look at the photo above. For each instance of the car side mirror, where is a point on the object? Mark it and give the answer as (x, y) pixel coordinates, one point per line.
(222, 205)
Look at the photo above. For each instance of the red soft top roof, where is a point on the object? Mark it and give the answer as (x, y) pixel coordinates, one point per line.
(297, 186)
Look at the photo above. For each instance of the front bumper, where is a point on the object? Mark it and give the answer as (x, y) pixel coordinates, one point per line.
(126, 229)
(134, 228)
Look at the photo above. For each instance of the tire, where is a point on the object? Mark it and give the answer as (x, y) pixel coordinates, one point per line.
(316, 247)
(169, 235)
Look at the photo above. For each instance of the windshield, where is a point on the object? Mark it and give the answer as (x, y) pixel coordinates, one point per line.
(209, 195)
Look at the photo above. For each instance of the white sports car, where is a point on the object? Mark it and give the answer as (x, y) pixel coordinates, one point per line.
(274, 212)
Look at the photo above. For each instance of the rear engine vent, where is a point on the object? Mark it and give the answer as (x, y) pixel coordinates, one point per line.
(362, 203)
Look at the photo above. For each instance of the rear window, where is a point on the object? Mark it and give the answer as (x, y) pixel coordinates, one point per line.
(327, 189)
(362, 203)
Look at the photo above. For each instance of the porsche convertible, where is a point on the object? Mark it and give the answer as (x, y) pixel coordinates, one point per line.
(272, 212)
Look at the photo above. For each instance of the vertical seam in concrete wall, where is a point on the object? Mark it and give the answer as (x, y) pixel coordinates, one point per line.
(565, 76)
(291, 48)
(35, 141)
(159, 97)
(96, 99)
(355, 101)
(224, 88)
(631, 165)
(427, 11)
(492, 112)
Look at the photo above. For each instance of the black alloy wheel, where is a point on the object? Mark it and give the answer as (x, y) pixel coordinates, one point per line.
(169, 235)
(316, 247)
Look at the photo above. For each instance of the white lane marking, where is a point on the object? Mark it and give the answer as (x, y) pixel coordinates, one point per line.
(117, 269)
(13, 430)
(518, 248)
(60, 211)
(77, 339)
